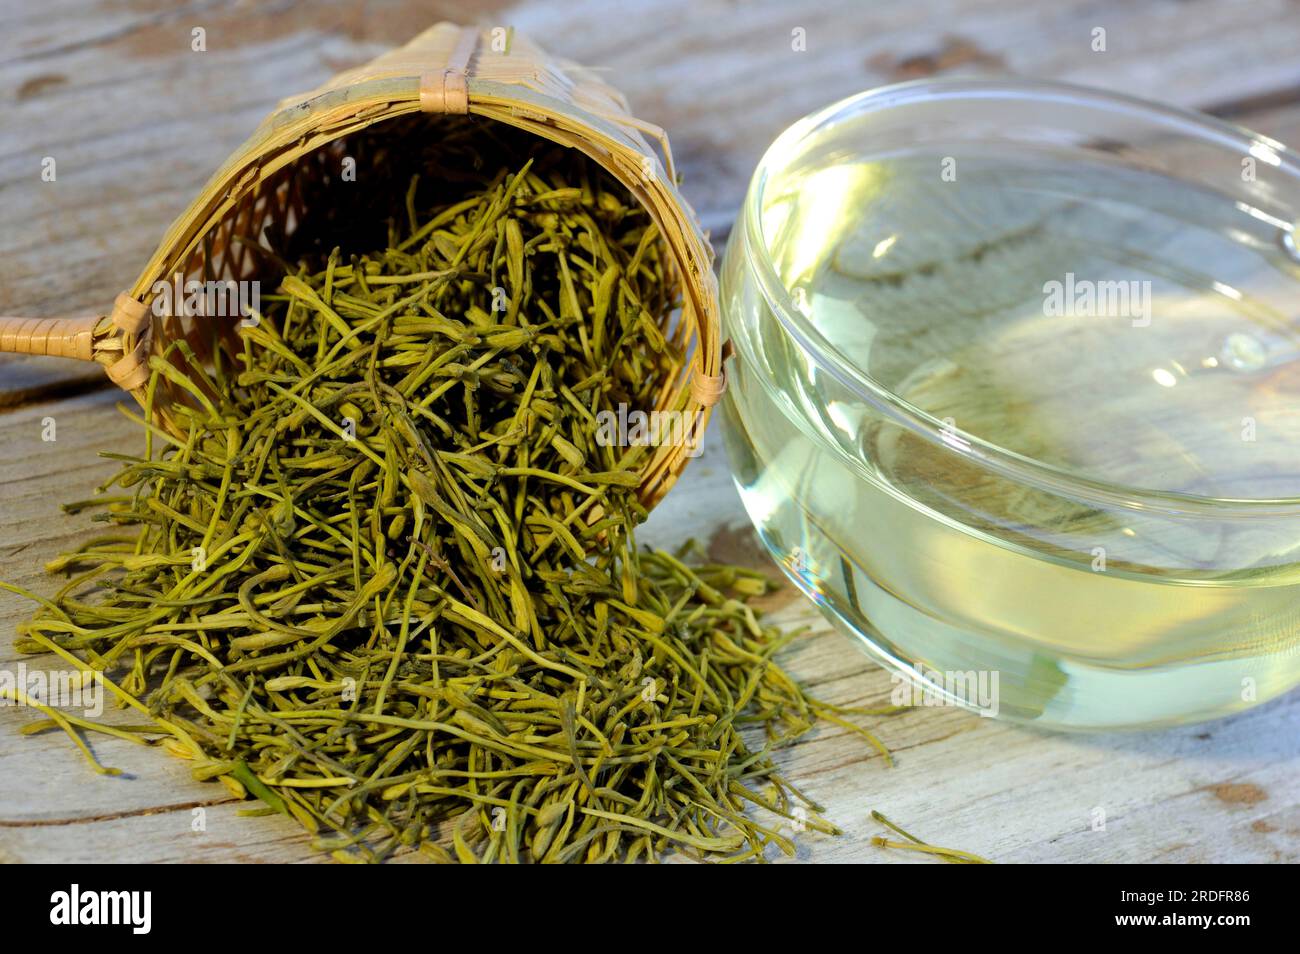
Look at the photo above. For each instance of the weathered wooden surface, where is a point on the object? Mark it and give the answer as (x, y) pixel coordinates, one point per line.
(136, 121)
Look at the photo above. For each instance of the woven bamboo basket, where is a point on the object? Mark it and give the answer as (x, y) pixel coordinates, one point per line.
(445, 70)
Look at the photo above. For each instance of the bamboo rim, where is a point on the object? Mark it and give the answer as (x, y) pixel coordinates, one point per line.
(494, 74)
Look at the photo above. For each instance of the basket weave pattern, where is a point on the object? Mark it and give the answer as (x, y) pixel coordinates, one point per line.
(447, 69)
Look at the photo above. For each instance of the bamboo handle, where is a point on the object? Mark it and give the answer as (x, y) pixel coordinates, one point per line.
(61, 337)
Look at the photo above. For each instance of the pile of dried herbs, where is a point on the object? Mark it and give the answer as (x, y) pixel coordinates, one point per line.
(387, 579)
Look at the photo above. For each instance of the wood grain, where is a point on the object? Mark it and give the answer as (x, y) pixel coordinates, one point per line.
(136, 121)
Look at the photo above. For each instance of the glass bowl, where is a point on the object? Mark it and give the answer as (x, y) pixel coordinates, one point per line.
(1016, 396)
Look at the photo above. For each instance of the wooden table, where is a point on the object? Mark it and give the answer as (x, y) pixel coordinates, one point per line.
(136, 120)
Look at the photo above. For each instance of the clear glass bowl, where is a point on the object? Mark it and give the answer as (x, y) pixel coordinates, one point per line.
(1016, 396)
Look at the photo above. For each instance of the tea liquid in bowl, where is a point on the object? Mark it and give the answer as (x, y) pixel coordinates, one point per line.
(1128, 341)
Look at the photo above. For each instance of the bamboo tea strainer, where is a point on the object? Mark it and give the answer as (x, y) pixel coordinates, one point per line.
(445, 70)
